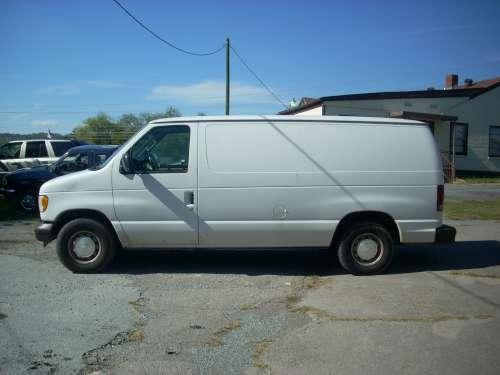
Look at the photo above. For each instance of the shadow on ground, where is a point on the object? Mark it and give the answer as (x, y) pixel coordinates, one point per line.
(459, 256)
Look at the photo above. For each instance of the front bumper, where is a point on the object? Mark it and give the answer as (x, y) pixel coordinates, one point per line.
(45, 233)
(445, 234)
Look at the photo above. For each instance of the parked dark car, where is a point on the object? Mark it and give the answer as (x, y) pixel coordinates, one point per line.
(23, 185)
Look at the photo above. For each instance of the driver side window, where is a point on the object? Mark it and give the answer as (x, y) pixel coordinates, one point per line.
(162, 150)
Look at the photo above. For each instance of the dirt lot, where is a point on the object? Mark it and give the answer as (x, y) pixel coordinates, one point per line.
(233, 312)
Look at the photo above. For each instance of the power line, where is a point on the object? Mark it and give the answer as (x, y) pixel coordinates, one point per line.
(163, 40)
(54, 112)
(10, 108)
(258, 78)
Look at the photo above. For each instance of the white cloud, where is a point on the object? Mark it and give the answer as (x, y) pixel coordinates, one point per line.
(18, 116)
(211, 92)
(74, 88)
(62, 90)
(107, 84)
(44, 123)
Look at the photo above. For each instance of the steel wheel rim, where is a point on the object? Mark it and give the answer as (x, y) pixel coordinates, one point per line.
(27, 202)
(84, 247)
(367, 249)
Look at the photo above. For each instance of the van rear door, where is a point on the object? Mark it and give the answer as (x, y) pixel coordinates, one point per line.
(156, 204)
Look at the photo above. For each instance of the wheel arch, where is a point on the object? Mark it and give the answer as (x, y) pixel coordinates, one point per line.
(378, 217)
(65, 217)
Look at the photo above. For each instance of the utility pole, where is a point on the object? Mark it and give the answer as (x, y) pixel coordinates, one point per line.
(228, 47)
(452, 124)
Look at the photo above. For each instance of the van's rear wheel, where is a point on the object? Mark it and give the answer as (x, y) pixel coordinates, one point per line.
(85, 245)
(365, 249)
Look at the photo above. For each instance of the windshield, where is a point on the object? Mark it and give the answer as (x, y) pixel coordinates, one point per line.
(72, 162)
(60, 159)
(106, 162)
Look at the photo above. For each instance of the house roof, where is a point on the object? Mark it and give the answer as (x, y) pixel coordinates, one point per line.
(477, 88)
(486, 83)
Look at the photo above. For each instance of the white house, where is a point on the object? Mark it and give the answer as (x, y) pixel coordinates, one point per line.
(468, 113)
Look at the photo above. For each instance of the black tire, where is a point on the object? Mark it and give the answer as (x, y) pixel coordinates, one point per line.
(86, 231)
(350, 253)
(27, 201)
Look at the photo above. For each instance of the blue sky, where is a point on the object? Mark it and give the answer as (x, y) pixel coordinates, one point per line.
(62, 61)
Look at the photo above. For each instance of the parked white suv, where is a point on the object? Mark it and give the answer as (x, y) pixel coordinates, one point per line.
(356, 185)
(30, 153)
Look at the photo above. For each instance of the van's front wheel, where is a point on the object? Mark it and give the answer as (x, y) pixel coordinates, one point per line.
(85, 245)
(365, 249)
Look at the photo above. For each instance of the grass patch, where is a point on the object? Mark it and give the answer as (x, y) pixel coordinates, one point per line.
(314, 282)
(473, 274)
(248, 306)
(135, 335)
(326, 316)
(138, 303)
(472, 210)
(479, 180)
(9, 211)
(292, 300)
(216, 339)
(260, 348)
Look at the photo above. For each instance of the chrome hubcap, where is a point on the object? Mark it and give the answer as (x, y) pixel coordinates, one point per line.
(367, 249)
(84, 246)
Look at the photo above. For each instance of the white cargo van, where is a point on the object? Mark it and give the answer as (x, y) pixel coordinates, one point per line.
(356, 185)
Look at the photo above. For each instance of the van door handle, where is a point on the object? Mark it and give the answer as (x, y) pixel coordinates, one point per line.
(189, 199)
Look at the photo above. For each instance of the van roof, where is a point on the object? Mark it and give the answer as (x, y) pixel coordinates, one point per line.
(276, 118)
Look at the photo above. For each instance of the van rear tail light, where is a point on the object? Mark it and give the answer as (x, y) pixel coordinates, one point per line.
(440, 197)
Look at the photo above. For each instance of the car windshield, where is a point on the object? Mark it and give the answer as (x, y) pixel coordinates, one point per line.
(108, 159)
(72, 162)
(55, 163)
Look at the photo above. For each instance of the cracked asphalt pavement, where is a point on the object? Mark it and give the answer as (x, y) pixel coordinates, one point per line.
(252, 312)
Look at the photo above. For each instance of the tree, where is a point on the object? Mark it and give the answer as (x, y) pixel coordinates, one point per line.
(102, 129)
(128, 124)
(169, 112)
(98, 129)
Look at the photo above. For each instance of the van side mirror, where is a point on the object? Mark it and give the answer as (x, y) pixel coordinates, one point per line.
(126, 166)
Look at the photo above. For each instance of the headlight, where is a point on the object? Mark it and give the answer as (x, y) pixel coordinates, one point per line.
(43, 202)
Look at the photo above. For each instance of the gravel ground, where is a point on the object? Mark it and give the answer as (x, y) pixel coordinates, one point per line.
(252, 312)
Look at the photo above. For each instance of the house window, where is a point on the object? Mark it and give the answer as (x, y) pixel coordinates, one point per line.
(461, 135)
(494, 149)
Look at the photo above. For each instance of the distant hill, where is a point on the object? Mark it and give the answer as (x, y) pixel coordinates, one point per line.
(7, 137)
